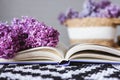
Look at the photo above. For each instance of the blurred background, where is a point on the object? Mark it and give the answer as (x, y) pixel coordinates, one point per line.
(46, 11)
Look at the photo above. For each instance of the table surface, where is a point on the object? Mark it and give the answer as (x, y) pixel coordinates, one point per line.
(82, 71)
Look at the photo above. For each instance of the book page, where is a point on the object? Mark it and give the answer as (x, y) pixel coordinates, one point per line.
(55, 54)
(45, 54)
(82, 47)
(39, 53)
(86, 55)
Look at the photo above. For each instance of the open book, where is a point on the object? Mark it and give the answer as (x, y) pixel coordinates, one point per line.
(78, 53)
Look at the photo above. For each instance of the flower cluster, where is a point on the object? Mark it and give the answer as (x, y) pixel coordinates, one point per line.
(25, 33)
(93, 8)
(68, 15)
(7, 43)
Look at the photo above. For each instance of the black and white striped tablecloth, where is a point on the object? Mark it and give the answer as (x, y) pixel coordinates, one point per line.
(55, 72)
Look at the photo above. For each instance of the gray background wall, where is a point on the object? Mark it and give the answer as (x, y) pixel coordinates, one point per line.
(44, 10)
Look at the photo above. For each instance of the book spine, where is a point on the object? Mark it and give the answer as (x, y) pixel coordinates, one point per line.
(64, 63)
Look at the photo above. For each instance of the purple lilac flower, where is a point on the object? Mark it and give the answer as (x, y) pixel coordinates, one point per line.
(72, 14)
(104, 13)
(8, 47)
(89, 5)
(23, 34)
(114, 10)
(103, 4)
(62, 18)
(33, 33)
(68, 15)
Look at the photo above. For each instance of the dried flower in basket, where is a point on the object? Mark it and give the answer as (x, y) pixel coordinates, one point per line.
(93, 8)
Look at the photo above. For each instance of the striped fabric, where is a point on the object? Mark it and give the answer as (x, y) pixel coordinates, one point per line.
(81, 71)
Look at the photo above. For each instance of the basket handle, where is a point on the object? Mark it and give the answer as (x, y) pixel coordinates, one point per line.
(116, 21)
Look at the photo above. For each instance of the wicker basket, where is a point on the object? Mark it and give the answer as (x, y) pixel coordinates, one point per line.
(100, 31)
